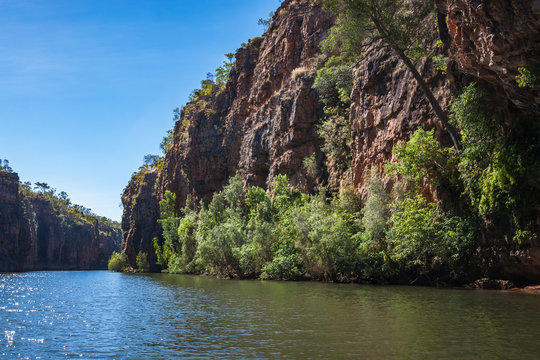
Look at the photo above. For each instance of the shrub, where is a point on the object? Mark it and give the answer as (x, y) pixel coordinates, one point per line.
(220, 231)
(118, 262)
(422, 160)
(142, 262)
(376, 211)
(334, 84)
(322, 235)
(284, 266)
(526, 78)
(310, 164)
(335, 131)
(372, 243)
(426, 243)
(234, 190)
(300, 72)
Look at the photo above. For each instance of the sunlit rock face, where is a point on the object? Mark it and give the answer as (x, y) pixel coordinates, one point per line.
(263, 122)
(139, 220)
(34, 235)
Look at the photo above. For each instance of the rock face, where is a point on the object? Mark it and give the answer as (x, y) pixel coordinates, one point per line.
(11, 249)
(37, 235)
(264, 121)
(139, 221)
(387, 107)
(491, 39)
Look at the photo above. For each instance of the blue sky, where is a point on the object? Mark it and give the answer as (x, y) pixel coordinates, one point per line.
(87, 87)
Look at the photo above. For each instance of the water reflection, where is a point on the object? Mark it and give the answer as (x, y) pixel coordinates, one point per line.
(109, 315)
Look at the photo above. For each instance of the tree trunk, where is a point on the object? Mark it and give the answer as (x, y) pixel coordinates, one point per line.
(441, 114)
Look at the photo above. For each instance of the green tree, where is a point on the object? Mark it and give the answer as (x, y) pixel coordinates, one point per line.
(422, 161)
(167, 141)
(150, 160)
(42, 187)
(399, 25)
(4, 166)
(426, 243)
(223, 71)
(265, 23)
(170, 221)
(118, 262)
(334, 83)
(142, 262)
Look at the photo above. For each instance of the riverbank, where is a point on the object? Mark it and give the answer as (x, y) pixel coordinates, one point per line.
(480, 284)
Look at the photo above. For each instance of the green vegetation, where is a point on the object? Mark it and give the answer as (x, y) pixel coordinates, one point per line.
(118, 262)
(284, 234)
(71, 214)
(142, 262)
(334, 84)
(499, 169)
(425, 231)
(526, 78)
(4, 166)
(265, 23)
(214, 82)
(423, 162)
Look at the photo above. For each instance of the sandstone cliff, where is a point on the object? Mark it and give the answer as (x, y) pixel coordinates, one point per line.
(264, 121)
(37, 234)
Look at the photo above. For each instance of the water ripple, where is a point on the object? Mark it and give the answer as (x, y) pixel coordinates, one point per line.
(102, 315)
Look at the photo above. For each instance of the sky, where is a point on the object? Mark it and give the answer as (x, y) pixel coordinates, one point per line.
(88, 87)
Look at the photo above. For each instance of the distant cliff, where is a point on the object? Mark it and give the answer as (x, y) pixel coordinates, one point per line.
(265, 120)
(37, 233)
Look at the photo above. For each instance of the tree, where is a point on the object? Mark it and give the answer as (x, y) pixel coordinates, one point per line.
(42, 187)
(265, 23)
(167, 141)
(396, 24)
(222, 72)
(4, 166)
(150, 160)
(64, 197)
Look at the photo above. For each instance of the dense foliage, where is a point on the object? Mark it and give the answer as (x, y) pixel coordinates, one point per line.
(118, 262)
(284, 234)
(499, 168)
(334, 83)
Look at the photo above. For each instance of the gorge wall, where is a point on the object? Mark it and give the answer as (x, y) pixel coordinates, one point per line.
(35, 234)
(265, 120)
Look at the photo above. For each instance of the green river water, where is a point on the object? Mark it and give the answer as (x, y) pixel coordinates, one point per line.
(104, 315)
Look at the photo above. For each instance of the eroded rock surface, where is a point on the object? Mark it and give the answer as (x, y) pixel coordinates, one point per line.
(491, 39)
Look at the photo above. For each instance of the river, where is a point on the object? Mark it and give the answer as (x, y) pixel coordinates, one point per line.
(105, 315)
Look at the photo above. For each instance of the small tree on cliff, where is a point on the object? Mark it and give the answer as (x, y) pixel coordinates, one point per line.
(41, 187)
(4, 166)
(396, 24)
